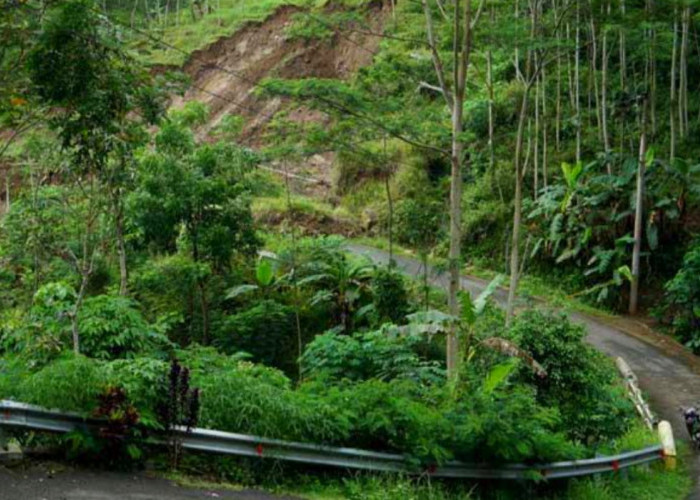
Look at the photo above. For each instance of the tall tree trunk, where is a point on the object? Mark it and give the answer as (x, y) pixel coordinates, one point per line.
(672, 92)
(456, 181)
(604, 95)
(577, 82)
(519, 175)
(594, 75)
(517, 212)
(623, 47)
(536, 162)
(652, 70)
(121, 251)
(390, 202)
(545, 122)
(683, 83)
(492, 146)
(639, 214)
(462, 47)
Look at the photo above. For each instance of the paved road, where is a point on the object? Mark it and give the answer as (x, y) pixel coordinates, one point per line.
(54, 482)
(667, 373)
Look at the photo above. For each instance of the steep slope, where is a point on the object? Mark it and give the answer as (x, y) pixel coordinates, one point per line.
(226, 74)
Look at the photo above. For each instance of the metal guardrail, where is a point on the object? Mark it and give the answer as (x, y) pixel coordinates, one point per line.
(23, 416)
(635, 393)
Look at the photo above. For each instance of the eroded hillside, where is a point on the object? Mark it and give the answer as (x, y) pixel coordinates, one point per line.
(226, 75)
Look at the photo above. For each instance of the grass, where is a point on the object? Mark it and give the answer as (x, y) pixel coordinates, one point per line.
(639, 483)
(227, 17)
(189, 35)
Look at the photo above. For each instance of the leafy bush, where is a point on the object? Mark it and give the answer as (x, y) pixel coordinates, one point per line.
(389, 296)
(580, 381)
(266, 331)
(373, 355)
(682, 301)
(72, 382)
(241, 398)
(112, 327)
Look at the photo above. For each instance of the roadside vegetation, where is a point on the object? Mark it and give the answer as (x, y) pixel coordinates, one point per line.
(157, 275)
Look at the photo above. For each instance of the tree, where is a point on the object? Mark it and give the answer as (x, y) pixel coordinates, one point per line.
(197, 190)
(96, 90)
(464, 23)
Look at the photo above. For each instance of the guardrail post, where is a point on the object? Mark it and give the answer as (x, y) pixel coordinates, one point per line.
(4, 440)
(668, 443)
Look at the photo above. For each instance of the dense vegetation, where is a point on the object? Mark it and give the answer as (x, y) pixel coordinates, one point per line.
(128, 238)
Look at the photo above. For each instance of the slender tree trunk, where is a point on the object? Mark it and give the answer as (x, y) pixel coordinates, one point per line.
(517, 213)
(536, 157)
(295, 287)
(683, 83)
(462, 53)
(557, 119)
(638, 215)
(121, 251)
(652, 70)
(519, 175)
(390, 203)
(594, 75)
(623, 47)
(571, 70)
(545, 122)
(577, 82)
(462, 46)
(492, 145)
(604, 96)
(673, 103)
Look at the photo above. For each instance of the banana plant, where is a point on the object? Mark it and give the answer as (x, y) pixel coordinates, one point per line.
(264, 277)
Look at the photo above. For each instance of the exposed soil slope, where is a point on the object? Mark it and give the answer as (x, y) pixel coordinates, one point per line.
(233, 67)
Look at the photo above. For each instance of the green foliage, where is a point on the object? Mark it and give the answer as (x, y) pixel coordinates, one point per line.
(373, 355)
(418, 223)
(586, 220)
(266, 331)
(390, 298)
(112, 327)
(581, 382)
(78, 67)
(71, 382)
(682, 301)
(197, 189)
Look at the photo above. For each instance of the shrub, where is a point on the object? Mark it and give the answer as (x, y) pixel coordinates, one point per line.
(580, 381)
(112, 327)
(389, 296)
(266, 331)
(71, 382)
(682, 301)
(372, 355)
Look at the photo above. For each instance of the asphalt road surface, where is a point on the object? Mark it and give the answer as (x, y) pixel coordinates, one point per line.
(54, 482)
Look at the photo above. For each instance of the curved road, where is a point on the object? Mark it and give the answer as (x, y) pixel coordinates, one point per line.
(667, 373)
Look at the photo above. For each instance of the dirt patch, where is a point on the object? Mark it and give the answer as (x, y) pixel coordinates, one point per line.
(310, 224)
(233, 67)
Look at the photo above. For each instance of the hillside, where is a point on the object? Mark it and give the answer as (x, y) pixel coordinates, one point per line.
(266, 218)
